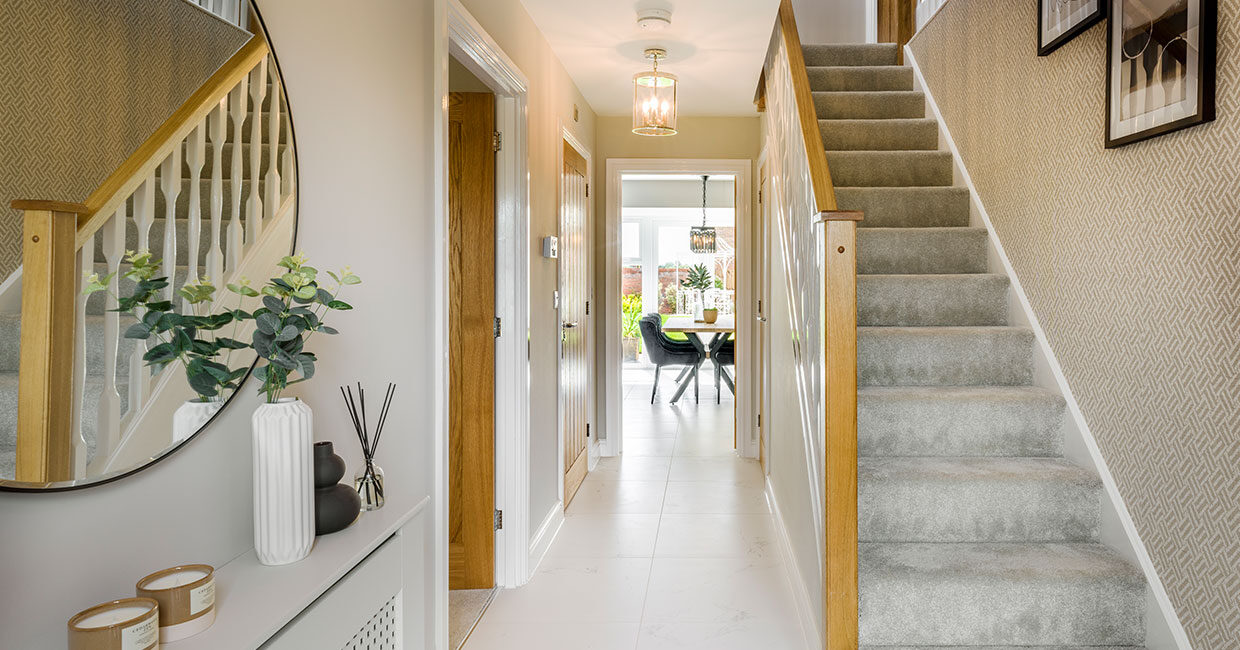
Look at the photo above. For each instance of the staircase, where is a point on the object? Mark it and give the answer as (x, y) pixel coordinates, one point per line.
(974, 530)
(193, 199)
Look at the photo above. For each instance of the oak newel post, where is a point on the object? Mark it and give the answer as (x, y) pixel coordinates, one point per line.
(45, 374)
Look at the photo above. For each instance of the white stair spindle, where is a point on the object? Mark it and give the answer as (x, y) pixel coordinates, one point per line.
(216, 123)
(108, 420)
(143, 217)
(86, 263)
(273, 162)
(236, 228)
(287, 174)
(254, 210)
(170, 185)
(195, 156)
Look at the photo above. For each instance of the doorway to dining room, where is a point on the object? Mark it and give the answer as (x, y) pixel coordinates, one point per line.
(678, 268)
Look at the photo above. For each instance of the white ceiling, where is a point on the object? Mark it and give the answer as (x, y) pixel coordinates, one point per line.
(715, 47)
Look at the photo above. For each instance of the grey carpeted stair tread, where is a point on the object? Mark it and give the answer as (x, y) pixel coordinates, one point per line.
(890, 168)
(944, 356)
(922, 250)
(872, 105)
(907, 207)
(8, 417)
(999, 594)
(853, 54)
(874, 135)
(156, 239)
(204, 198)
(959, 421)
(246, 126)
(10, 345)
(966, 499)
(932, 300)
(845, 78)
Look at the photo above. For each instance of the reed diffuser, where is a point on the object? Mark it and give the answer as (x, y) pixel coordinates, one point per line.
(369, 481)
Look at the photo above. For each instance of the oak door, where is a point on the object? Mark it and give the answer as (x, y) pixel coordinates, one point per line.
(471, 341)
(574, 292)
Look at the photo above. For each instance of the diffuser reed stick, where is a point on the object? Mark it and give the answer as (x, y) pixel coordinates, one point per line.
(369, 443)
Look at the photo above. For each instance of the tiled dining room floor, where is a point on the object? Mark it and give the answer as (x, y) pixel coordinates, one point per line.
(669, 546)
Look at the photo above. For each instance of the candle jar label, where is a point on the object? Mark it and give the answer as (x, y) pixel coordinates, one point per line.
(201, 598)
(141, 636)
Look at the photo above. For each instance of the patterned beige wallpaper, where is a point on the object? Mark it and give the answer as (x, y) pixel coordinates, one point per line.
(1131, 259)
(83, 83)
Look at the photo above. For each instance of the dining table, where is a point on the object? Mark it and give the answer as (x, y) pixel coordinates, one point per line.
(723, 327)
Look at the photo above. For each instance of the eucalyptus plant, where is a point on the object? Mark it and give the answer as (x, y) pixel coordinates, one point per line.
(294, 306)
(192, 339)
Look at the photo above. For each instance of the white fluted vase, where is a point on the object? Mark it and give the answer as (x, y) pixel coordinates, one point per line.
(283, 481)
(190, 417)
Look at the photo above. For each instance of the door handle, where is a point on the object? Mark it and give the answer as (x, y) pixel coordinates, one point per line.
(569, 326)
(760, 319)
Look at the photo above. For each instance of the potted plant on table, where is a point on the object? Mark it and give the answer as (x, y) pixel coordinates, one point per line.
(698, 281)
(293, 308)
(191, 339)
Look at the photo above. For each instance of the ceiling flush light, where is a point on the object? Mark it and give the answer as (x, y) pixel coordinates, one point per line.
(654, 98)
(653, 19)
(702, 238)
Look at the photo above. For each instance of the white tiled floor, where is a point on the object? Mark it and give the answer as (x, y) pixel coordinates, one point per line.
(669, 547)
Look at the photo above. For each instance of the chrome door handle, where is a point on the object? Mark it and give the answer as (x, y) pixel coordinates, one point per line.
(568, 326)
(760, 319)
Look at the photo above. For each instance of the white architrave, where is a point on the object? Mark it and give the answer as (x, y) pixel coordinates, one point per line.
(746, 383)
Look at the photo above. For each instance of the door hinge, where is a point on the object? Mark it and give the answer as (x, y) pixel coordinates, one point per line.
(499, 519)
(759, 420)
(587, 190)
(497, 326)
(498, 141)
(587, 429)
(759, 196)
(587, 308)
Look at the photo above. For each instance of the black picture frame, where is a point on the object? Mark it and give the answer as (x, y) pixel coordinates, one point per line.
(1171, 30)
(1075, 30)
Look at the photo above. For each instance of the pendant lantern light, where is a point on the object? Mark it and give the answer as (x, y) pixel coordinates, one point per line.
(702, 238)
(654, 98)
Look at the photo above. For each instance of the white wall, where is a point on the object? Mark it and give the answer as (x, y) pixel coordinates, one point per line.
(363, 110)
(831, 21)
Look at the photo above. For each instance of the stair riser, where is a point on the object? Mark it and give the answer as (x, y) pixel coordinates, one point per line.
(890, 168)
(885, 54)
(907, 207)
(264, 135)
(879, 135)
(931, 300)
(204, 199)
(921, 251)
(902, 425)
(226, 160)
(860, 79)
(971, 501)
(869, 105)
(944, 357)
(1015, 612)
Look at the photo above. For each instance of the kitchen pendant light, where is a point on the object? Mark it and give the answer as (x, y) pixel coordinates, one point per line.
(702, 238)
(654, 98)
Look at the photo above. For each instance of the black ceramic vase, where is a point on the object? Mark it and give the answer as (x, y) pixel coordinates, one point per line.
(336, 505)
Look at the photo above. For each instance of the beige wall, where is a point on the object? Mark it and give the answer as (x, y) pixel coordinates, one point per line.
(699, 137)
(84, 84)
(1131, 260)
(552, 97)
(461, 80)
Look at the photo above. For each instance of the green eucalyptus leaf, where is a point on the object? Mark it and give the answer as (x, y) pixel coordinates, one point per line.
(288, 333)
(268, 324)
(274, 304)
(328, 330)
(137, 331)
(339, 305)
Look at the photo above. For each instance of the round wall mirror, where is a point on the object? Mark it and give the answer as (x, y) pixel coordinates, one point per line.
(185, 166)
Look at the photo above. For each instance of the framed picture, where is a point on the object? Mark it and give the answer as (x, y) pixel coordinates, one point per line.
(1059, 21)
(1160, 67)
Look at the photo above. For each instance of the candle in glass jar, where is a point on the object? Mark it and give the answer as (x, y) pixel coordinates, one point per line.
(129, 624)
(186, 596)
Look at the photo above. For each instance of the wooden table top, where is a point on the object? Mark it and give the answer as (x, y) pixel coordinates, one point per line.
(685, 324)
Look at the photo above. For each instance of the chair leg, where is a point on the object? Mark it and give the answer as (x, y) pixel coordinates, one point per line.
(718, 392)
(655, 391)
(696, 395)
(683, 373)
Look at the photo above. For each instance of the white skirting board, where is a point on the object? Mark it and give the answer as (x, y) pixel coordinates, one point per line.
(805, 611)
(540, 543)
(1163, 628)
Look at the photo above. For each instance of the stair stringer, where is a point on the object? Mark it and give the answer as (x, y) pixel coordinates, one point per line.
(142, 431)
(1164, 631)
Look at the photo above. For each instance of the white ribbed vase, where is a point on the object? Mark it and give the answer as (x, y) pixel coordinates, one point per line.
(190, 417)
(283, 481)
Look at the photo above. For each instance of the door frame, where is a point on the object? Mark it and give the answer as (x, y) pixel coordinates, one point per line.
(469, 43)
(592, 451)
(612, 427)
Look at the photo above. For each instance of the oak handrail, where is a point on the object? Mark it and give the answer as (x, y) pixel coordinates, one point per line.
(122, 183)
(839, 328)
